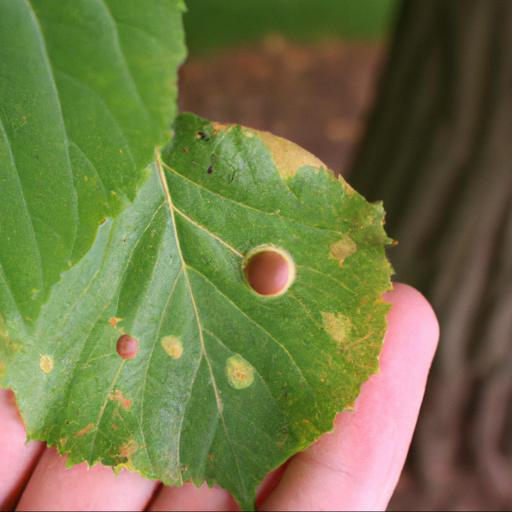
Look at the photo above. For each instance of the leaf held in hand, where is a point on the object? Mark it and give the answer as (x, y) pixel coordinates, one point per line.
(227, 383)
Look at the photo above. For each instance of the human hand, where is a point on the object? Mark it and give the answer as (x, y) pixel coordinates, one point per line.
(356, 467)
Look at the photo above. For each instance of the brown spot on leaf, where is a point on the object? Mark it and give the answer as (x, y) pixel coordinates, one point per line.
(337, 326)
(46, 363)
(114, 320)
(342, 249)
(128, 449)
(88, 428)
(117, 396)
(115, 426)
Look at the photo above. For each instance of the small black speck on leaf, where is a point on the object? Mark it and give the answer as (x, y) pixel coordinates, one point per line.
(209, 170)
(202, 136)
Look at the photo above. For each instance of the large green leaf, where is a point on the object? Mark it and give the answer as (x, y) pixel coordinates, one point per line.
(227, 384)
(87, 90)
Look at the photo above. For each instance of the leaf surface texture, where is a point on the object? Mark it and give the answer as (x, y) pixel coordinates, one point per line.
(226, 384)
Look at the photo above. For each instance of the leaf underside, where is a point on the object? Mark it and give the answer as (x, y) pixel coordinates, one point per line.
(87, 90)
(227, 384)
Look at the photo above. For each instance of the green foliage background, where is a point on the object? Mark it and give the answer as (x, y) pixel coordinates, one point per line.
(212, 24)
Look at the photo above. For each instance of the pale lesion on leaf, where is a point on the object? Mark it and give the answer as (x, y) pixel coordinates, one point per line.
(288, 157)
(338, 326)
(46, 363)
(342, 249)
(86, 430)
(173, 346)
(240, 373)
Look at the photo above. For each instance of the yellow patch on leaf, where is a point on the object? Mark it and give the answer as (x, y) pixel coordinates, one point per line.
(240, 373)
(46, 363)
(173, 346)
(337, 326)
(342, 249)
(287, 156)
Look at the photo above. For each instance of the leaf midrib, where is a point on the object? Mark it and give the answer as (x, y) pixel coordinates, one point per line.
(204, 352)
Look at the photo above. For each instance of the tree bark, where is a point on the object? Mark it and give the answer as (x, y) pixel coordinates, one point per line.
(438, 151)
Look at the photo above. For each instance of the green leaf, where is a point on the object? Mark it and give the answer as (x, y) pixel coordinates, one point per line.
(87, 91)
(227, 384)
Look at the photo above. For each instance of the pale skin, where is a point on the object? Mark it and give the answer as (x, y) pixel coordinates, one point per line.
(356, 467)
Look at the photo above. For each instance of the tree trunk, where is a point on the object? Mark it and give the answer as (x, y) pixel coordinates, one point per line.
(438, 151)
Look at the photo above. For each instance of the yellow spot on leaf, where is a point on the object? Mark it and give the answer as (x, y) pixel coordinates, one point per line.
(117, 396)
(3, 369)
(88, 428)
(239, 372)
(46, 364)
(342, 249)
(337, 326)
(173, 346)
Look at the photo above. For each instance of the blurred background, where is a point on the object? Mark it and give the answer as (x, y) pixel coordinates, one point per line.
(412, 102)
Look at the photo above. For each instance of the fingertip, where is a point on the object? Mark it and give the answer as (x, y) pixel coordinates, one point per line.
(189, 497)
(413, 318)
(408, 299)
(54, 486)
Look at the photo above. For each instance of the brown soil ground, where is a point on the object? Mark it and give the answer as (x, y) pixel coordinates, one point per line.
(316, 96)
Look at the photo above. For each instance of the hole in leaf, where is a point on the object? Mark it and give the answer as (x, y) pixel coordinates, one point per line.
(269, 270)
(127, 347)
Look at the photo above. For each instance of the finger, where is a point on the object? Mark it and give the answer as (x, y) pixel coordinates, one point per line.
(18, 458)
(189, 497)
(356, 467)
(55, 487)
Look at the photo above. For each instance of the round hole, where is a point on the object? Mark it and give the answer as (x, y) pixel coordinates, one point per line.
(269, 270)
(127, 347)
